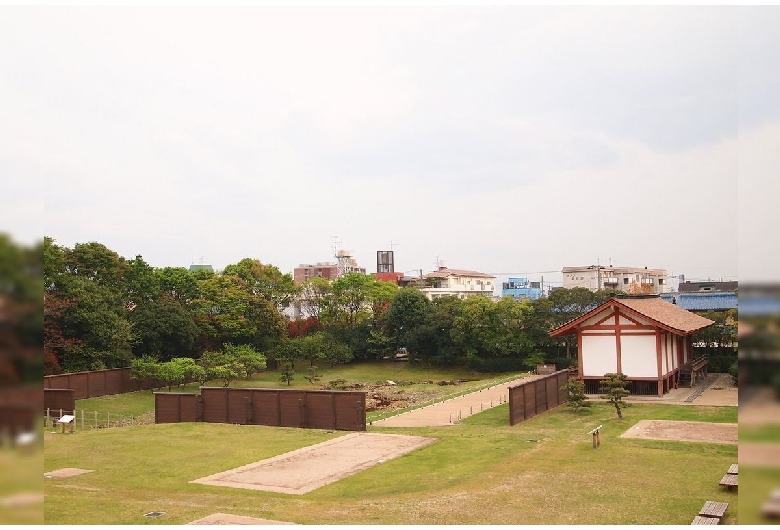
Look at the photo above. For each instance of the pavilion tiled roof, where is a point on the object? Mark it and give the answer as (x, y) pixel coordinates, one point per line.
(664, 314)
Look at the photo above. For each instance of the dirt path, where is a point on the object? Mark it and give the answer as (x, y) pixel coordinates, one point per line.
(451, 411)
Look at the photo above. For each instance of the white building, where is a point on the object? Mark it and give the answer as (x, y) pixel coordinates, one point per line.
(627, 279)
(457, 282)
(646, 338)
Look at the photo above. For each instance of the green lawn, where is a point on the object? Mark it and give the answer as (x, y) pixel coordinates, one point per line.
(481, 471)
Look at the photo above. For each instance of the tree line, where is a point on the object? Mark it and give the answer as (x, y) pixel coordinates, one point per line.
(102, 310)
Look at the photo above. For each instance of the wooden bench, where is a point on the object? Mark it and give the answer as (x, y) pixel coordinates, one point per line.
(712, 510)
(729, 480)
(733, 469)
(771, 507)
(705, 520)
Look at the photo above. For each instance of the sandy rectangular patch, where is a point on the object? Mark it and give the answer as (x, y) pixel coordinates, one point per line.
(229, 519)
(684, 431)
(66, 472)
(309, 468)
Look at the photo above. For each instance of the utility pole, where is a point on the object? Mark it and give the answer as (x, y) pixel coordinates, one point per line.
(598, 274)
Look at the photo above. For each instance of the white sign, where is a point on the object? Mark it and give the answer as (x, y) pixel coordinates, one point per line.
(66, 419)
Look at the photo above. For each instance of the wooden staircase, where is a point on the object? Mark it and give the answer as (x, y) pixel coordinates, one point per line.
(692, 371)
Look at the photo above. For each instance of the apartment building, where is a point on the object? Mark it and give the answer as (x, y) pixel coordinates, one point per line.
(627, 279)
(457, 282)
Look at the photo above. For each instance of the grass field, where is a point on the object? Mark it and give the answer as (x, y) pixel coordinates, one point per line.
(481, 471)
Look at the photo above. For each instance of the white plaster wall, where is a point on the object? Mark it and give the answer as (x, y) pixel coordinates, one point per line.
(637, 356)
(664, 356)
(626, 322)
(601, 314)
(599, 355)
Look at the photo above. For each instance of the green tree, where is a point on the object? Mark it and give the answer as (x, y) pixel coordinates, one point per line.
(336, 352)
(175, 371)
(287, 373)
(614, 388)
(143, 368)
(313, 297)
(90, 321)
(313, 377)
(566, 305)
(432, 340)
(264, 280)
(250, 360)
(575, 394)
(407, 313)
(163, 328)
(533, 360)
(228, 312)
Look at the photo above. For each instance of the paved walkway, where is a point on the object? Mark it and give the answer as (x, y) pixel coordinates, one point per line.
(451, 411)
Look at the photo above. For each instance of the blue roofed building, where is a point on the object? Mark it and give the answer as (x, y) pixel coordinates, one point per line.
(521, 288)
(703, 300)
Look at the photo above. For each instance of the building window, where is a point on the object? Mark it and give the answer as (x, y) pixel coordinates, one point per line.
(625, 281)
(660, 281)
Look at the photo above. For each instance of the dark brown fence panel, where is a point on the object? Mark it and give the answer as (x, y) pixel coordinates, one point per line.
(292, 408)
(59, 398)
(350, 411)
(114, 383)
(539, 395)
(265, 407)
(215, 404)
(563, 378)
(190, 407)
(99, 382)
(529, 400)
(96, 383)
(239, 406)
(80, 384)
(320, 410)
(174, 407)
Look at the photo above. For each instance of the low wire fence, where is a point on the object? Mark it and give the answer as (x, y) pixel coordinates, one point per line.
(500, 399)
(83, 420)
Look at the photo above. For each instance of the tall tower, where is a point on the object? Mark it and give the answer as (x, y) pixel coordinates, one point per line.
(343, 262)
(385, 261)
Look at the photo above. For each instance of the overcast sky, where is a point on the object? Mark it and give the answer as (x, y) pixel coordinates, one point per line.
(509, 140)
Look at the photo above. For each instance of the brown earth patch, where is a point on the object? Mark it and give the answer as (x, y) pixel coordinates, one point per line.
(685, 431)
(306, 469)
(66, 472)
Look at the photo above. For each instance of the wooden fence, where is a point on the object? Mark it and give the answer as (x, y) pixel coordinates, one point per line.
(534, 397)
(99, 383)
(313, 409)
(59, 398)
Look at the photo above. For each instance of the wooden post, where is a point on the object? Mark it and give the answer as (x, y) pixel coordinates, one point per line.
(596, 440)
